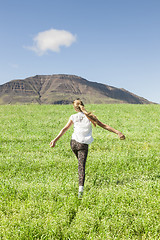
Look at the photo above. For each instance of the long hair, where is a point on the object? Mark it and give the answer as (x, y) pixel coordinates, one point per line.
(79, 106)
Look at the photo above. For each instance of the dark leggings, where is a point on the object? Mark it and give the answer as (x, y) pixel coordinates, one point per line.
(81, 151)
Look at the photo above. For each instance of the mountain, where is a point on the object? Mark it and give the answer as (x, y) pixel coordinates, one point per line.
(63, 89)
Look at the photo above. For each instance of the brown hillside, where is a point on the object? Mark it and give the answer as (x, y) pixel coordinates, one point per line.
(63, 89)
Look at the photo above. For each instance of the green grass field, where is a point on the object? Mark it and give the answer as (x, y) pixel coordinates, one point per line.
(39, 185)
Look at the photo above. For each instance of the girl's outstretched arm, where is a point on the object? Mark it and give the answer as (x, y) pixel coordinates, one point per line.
(62, 132)
(110, 129)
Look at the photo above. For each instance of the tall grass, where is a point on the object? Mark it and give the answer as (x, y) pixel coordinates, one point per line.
(39, 185)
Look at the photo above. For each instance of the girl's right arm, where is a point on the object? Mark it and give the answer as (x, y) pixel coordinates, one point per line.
(110, 129)
(62, 132)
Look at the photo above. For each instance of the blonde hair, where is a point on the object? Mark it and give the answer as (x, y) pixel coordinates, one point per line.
(79, 106)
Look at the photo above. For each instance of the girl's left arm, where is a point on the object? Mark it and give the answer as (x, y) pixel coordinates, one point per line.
(110, 129)
(62, 132)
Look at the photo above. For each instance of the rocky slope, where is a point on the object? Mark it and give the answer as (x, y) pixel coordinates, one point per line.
(63, 89)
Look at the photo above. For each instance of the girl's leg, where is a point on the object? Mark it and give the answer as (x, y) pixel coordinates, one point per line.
(82, 157)
(81, 152)
(74, 148)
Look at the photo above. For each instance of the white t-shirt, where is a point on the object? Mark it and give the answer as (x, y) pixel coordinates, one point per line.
(82, 128)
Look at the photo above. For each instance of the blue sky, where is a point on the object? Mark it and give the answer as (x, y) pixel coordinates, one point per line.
(115, 42)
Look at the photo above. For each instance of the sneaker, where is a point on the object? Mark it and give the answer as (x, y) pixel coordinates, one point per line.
(80, 194)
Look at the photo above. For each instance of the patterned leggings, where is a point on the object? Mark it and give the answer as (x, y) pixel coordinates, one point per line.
(81, 151)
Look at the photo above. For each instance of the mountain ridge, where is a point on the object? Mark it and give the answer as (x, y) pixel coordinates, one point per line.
(63, 89)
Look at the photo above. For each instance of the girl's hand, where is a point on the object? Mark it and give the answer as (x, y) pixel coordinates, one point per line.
(121, 136)
(52, 143)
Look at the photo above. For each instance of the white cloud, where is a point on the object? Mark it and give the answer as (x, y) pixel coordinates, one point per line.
(51, 40)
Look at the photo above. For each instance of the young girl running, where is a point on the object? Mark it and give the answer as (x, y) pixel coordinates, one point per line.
(82, 137)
